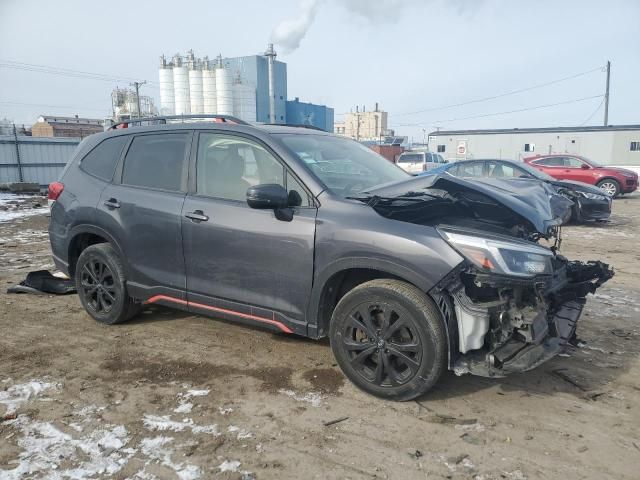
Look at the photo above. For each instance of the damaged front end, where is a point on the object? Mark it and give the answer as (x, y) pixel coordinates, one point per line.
(511, 305)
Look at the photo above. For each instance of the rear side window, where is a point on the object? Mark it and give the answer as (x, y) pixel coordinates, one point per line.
(550, 162)
(101, 161)
(156, 161)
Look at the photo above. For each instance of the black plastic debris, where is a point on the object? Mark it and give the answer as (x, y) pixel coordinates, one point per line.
(42, 282)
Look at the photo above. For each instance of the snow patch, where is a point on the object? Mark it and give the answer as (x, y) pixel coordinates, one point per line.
(164, 422)
(229, 466)
(184, 408)
(16, 395)
(155, 448)
(314, 398)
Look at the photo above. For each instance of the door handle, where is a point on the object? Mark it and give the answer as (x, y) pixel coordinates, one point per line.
(112, 203)
(197, 216)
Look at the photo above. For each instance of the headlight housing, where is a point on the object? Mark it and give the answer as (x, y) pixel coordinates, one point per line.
(502, 257)
(593, 196)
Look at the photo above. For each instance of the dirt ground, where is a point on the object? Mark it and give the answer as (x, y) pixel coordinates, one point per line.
(171, 395)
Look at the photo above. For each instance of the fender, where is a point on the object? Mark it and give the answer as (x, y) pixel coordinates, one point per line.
(382, 265)
(86, 228)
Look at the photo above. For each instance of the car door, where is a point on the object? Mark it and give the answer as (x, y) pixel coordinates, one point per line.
(553, 166)
(577, 170)
(142, 209)
(242, 262)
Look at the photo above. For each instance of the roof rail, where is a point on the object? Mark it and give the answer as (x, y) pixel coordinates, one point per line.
(163, 120)
(298, 125)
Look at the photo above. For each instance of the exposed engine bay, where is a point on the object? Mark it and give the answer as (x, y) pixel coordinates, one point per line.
(512, 303)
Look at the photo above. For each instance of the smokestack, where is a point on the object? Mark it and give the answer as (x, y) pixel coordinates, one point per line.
(376, 106)
(271, 56)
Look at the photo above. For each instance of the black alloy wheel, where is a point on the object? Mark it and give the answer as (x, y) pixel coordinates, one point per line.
(98, 286)
(389, 339)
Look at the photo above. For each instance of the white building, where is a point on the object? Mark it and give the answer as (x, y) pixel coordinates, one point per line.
(617, 145)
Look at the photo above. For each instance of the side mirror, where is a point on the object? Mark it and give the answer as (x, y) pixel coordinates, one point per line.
(267, 196)
(584, 166)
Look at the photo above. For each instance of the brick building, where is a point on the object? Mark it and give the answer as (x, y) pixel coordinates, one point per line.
(49, 126)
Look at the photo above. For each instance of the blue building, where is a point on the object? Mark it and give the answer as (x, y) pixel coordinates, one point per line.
(254, 70)
(301, 113)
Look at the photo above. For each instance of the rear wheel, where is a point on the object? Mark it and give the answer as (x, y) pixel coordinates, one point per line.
(611, 186)
(101, 285)
(388, 338)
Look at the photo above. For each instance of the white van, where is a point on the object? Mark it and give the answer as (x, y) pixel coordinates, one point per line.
(418, 162)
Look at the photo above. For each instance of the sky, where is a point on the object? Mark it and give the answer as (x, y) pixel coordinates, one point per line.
(407, 55)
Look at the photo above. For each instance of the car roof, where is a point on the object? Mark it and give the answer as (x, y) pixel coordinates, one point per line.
(201, 125)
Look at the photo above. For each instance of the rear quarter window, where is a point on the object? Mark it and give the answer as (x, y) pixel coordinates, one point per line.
(156, 161)
(101, 161)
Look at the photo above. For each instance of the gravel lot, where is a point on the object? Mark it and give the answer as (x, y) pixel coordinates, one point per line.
(171, 395)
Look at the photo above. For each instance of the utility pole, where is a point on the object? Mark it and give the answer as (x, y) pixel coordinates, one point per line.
(137, 86)
(606, 96)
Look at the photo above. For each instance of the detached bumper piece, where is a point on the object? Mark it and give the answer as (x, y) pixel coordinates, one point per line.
(528, 323)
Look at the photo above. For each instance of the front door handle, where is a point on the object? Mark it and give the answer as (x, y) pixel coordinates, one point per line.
(197, 216)
(112, 203)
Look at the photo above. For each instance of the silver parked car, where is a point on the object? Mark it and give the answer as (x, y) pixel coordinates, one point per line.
(418, 162)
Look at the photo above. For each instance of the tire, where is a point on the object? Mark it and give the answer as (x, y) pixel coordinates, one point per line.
(101, 285)
(611, 186)
(405, 352)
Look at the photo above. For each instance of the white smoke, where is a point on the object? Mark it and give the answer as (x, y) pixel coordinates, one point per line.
(289, 32)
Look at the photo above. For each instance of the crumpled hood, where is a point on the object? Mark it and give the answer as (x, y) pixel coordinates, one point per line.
(535, 202)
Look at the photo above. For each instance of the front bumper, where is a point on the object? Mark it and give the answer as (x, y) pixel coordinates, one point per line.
(630, 185)
(498, 326)
(589, 209)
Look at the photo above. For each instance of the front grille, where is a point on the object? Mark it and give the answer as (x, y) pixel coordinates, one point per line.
(631, 183)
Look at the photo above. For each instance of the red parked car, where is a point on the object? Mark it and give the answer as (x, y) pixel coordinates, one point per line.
(612, 180)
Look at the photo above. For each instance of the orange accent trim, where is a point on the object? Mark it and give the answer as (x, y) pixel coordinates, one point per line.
(281, 326)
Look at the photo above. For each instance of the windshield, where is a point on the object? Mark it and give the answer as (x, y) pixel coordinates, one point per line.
(344, 166)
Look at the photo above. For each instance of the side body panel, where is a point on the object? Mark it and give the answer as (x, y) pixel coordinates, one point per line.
(351, 234)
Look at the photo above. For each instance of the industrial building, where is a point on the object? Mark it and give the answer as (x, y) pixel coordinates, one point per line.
(124, 105)
(616, 145)
(252, 88)
(301, 113)
(363, 125)
(49, 126)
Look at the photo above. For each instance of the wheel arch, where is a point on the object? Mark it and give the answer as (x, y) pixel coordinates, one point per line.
(344, 275)
(83, 236)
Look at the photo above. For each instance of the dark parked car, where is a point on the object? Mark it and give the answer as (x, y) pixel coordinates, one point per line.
(612, 180)
(589, 202)
(305, 232)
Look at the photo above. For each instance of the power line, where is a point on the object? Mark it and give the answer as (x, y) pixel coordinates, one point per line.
(604, 97)
(513, 92)
(52, 70)
(537, 107)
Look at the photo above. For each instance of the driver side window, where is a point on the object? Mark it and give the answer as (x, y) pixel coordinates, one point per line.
(227, 165)
(572, 162)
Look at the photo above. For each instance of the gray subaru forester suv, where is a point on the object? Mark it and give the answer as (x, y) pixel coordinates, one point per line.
(307, 233)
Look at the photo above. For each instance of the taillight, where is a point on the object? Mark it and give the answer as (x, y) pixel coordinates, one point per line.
(55, 189)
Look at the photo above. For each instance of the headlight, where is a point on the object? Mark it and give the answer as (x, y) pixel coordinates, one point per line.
(497, 256)
(593, 196)
(629, 174)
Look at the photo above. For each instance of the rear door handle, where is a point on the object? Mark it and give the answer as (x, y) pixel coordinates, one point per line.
(112, 203)
(197, 216)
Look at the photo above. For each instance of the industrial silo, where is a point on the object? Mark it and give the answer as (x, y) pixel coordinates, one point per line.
(244, 101)
(195, 85)
(181, 87)
(224, 92)
(167, 95)
(209, 88)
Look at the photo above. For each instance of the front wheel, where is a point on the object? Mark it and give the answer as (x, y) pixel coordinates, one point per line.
(388, 338)
(612, 187)
(101, 285)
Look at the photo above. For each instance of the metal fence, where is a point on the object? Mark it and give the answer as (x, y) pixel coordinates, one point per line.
(34, 159)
